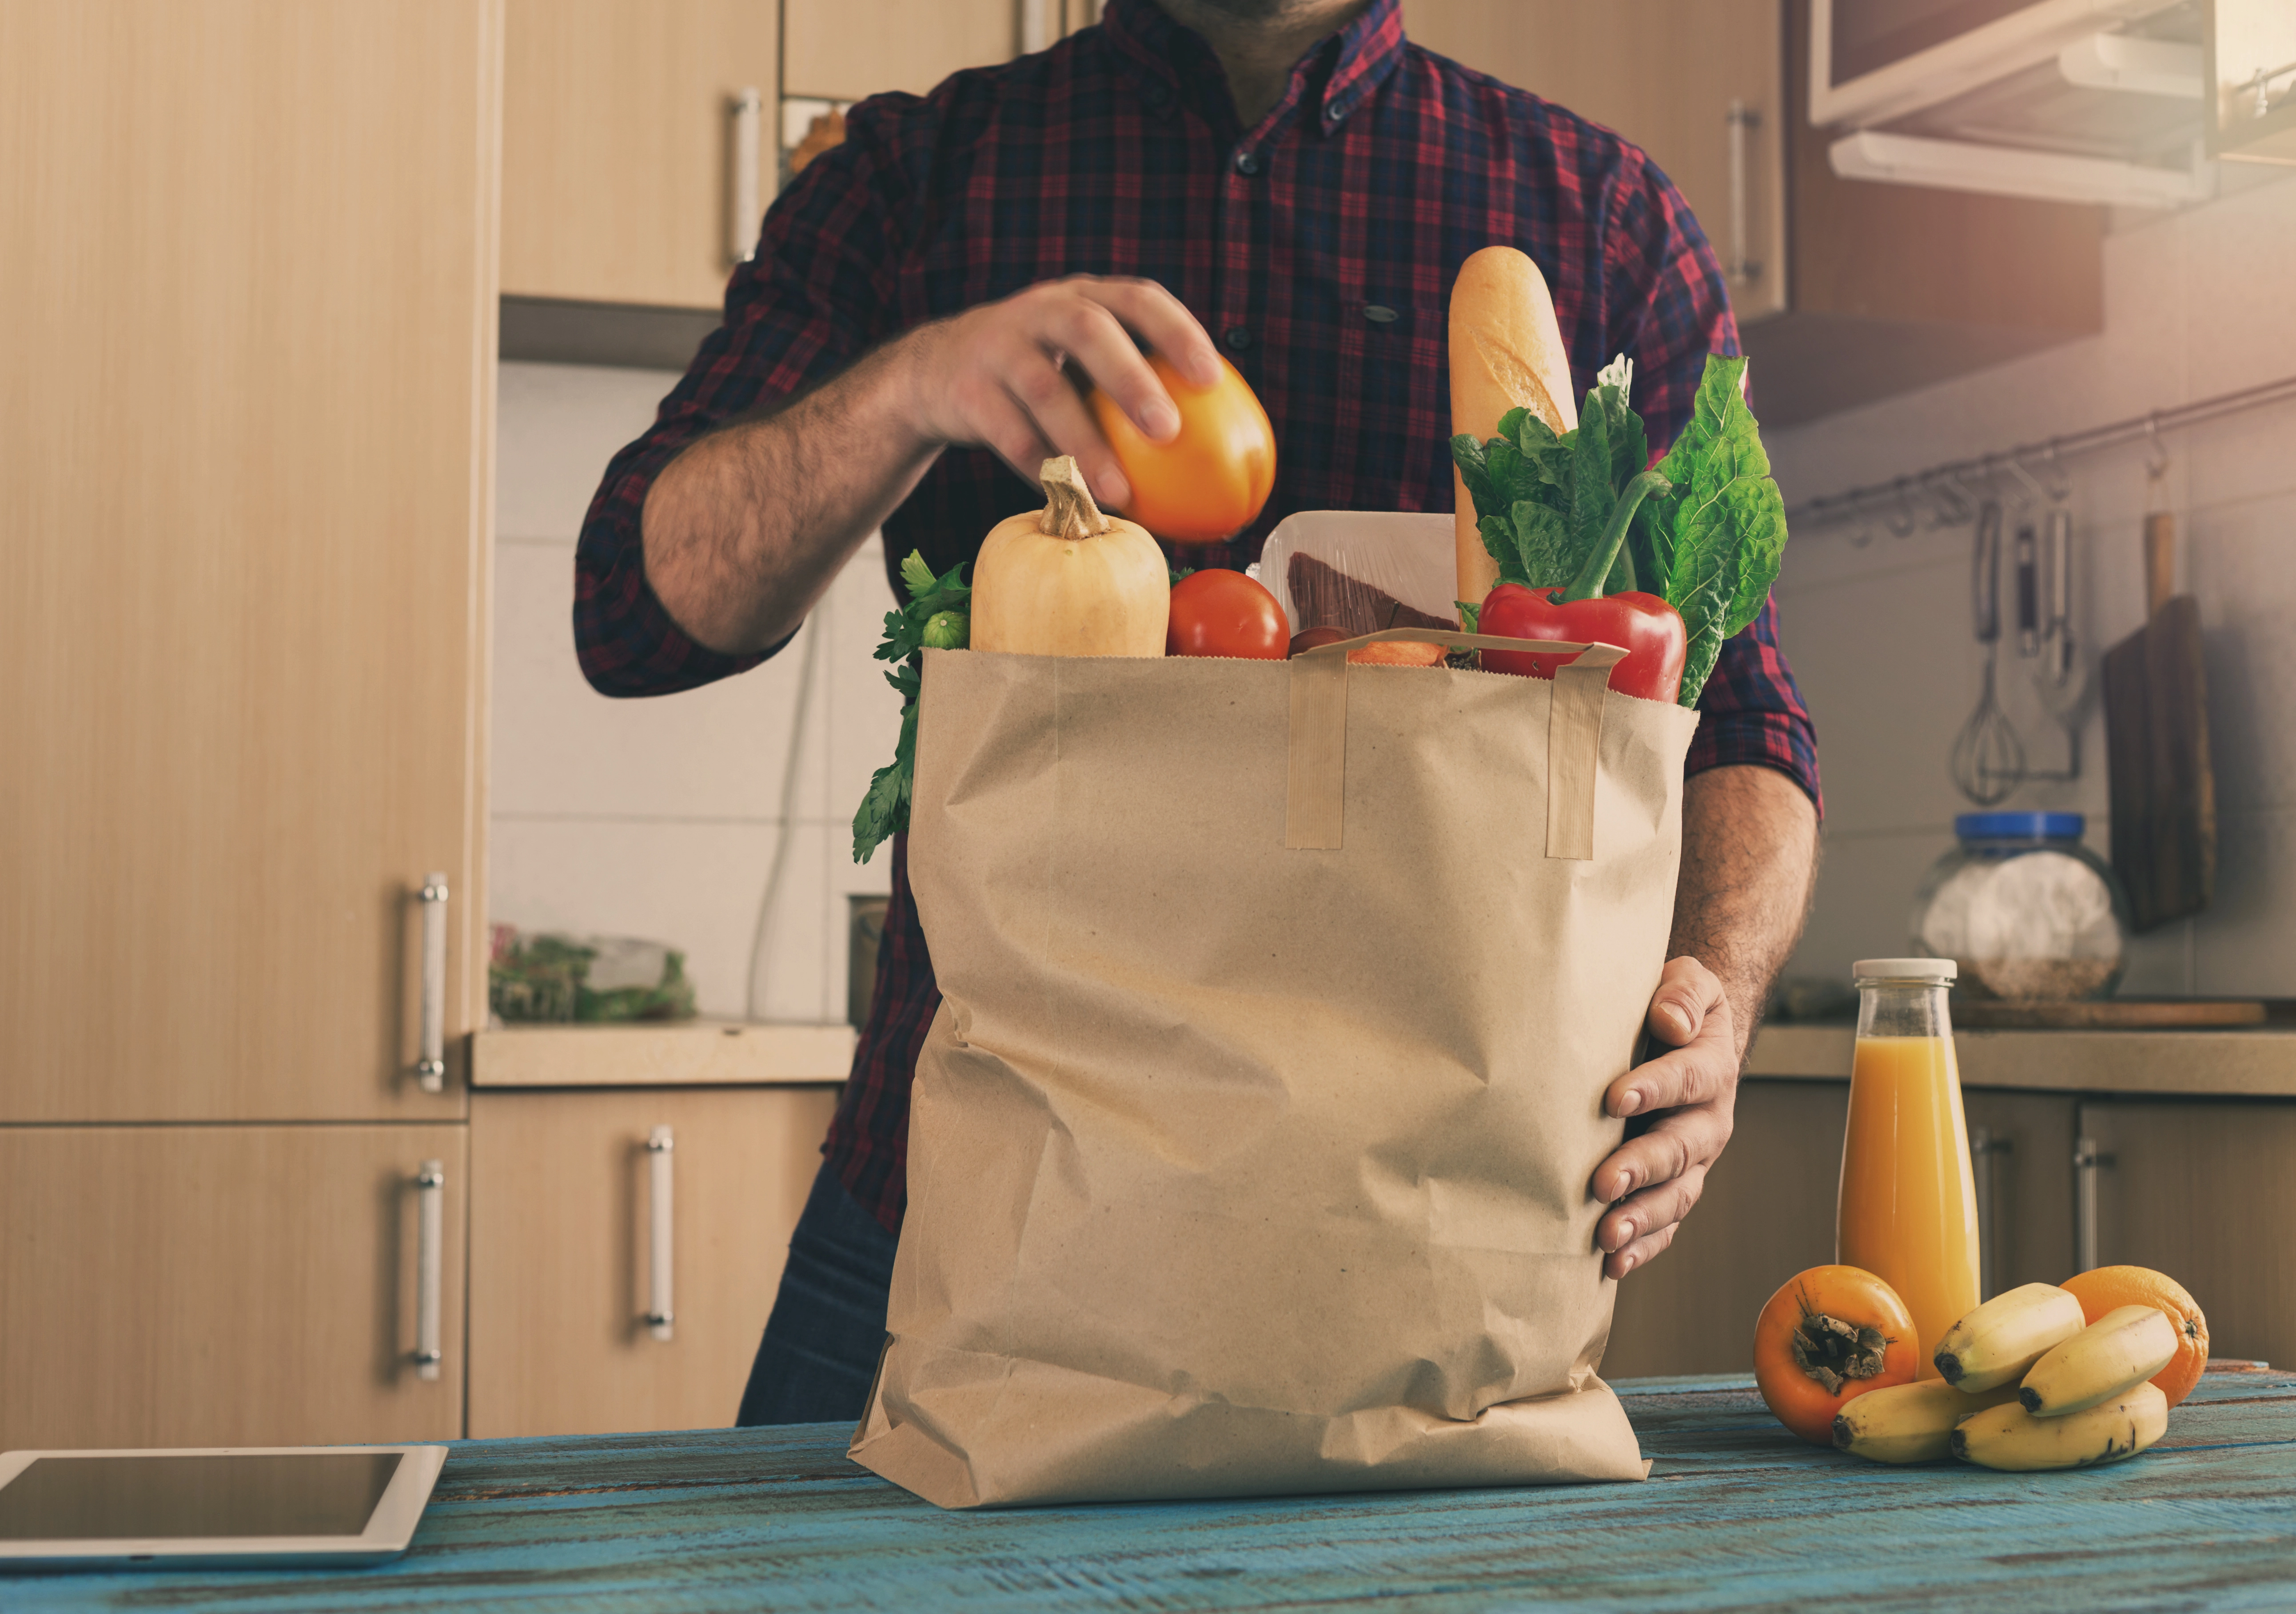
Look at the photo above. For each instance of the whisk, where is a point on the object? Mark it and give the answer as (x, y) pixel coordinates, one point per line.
(1989, 760)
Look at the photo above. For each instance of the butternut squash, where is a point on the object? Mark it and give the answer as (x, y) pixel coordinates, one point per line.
(1068, 580)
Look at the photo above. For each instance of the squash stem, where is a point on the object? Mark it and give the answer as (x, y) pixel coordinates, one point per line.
(1069, 510)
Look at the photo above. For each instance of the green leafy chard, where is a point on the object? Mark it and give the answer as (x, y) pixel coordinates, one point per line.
(1708, 544)
(936, 615)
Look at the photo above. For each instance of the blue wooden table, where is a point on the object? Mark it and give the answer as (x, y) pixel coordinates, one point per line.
(1736, 1514)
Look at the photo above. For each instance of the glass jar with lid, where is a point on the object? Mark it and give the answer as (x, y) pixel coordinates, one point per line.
(2024, 909)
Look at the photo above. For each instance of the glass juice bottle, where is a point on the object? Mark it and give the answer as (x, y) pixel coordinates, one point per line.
(1908, 1206)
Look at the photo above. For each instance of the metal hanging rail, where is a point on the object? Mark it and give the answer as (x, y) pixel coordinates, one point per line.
(1944, 483)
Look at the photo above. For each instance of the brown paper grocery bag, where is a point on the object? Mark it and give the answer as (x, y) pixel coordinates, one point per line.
(1249, 1150)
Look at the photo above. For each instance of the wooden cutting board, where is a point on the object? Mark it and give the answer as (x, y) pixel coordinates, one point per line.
(2162, 787)
(2110, 1014)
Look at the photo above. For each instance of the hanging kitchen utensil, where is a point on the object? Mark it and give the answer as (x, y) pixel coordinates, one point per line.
(2162, 787)
(1988, 759)
(2029, 590)
(2063, 682)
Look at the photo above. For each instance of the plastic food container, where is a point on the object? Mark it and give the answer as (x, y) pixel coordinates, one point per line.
(2024, 909)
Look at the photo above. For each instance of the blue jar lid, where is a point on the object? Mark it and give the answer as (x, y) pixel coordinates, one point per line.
(2019, 826)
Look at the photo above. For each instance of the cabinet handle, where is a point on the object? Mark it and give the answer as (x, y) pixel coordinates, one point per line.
(1738, 120)
(1986, 1151)
(746, 110)
(659, 1144)
(431, 1066)
(2087, 1159)
(430, 1257)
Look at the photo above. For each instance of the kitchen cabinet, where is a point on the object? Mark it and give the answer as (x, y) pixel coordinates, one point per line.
(623, 148)
(245, 430)
(2204, 1192)
(853, 48)
(1845, 290)
(2021, 1145)
(226, 1285)
(563, 1249)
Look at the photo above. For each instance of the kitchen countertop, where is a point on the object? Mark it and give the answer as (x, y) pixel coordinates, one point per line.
(1736, 1514)
(694, 1052)
(2256, 1061)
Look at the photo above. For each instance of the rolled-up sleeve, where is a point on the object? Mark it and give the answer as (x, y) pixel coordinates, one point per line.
(820, 291)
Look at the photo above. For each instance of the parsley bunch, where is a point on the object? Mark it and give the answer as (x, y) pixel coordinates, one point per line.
(936, 618)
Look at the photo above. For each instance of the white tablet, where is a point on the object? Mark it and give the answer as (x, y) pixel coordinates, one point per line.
(232, 1506)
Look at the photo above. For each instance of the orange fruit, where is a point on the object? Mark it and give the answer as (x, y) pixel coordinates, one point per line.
(2102, 1288)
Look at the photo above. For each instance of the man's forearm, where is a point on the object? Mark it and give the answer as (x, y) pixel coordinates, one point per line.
(1749, 856)
(746, 530)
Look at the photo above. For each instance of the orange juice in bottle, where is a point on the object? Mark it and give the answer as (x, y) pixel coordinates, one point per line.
(1908, 1206)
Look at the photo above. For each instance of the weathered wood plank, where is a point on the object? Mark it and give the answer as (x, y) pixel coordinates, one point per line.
(1737, 1515)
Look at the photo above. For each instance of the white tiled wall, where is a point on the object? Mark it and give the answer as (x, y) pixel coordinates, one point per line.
(663, 818)
(2196, 303)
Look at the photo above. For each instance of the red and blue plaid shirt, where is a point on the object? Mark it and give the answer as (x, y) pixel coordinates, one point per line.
(1318, 247)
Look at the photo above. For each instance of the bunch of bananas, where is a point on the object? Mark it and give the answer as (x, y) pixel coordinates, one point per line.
(2026, 1382)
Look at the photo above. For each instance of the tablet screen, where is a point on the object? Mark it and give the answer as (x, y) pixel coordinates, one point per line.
(180, 1497)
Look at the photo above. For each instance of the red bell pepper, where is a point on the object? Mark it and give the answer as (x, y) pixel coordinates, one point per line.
(1646, 627)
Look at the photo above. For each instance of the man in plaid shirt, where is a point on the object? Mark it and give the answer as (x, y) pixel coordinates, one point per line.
(1289, 180)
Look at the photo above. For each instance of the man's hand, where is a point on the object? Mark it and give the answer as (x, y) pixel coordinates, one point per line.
(1000, 376)
(1654, 1178)
(744, 530)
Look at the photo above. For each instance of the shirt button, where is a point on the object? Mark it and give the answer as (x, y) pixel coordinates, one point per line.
(1247, 164)
(1237, 337)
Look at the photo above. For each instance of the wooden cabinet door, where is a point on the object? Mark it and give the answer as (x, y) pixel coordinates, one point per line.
(247, 256)
(619, 158)
(2205, 1193)
(1766, 1214)
(224, 1285)
(561, 1244)
(2025, 1184)
(842, 50)
(1664, 75)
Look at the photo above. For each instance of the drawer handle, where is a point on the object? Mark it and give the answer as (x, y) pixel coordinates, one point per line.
(659, 1145)
(431, 1066)
(430, 1257)
(2088, 1160)
(745, 109)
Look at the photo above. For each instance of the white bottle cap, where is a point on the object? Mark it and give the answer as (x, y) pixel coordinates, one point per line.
(1943, 970)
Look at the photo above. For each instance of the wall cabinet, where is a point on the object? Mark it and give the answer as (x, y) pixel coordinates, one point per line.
(562, 1250)
(1845, 291)
(226, 1285)
(623, 150)
(854, 48)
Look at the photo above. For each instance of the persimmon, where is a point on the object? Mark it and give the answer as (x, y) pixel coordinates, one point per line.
(1208, 482)
(2103, 1289)
(1828, 1336)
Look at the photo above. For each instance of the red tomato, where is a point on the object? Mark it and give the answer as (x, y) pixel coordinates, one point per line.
(1218, 612)
(1208, 482)
(1646, 627)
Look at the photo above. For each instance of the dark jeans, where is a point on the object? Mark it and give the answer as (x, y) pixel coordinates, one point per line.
(828, 1324)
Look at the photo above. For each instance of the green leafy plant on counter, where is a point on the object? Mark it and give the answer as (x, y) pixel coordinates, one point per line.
(545, 979)
(1708, 544)
(936, 616)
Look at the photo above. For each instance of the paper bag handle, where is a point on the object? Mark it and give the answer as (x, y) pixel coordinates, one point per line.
(1315, 790)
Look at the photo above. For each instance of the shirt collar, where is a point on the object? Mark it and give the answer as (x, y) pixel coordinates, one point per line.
(1171, 59)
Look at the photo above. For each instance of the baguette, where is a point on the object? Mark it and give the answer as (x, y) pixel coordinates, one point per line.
(1507, 352)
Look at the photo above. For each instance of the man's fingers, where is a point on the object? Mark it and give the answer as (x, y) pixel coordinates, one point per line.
(1061, 419)
(1639, 1253)
(1097, 344)
(1678, 1143)
(1648, 1211)
(1696, 1075)
(1687, 993)
(1163, 322)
